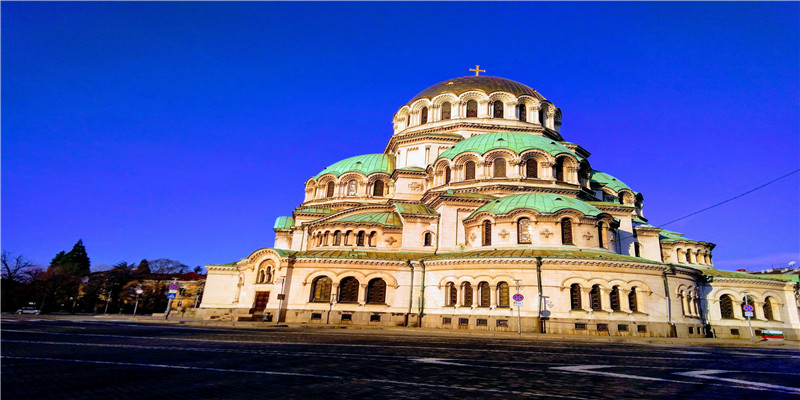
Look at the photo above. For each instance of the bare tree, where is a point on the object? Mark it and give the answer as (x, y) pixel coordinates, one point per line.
(15, 269)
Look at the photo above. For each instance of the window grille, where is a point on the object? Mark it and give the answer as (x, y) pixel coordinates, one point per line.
(360, 238)
(614, 297)
(622, 327)
(484, 295)
(602, 327)
(756, 332)
(632, 301)
(641, 328)
(376, 291)
(580, 326)
(482, 322)
(424, 115)
(531, 168)
(447, 320)
(452, 294)
(463, 321)
(375, 318)
(469, 170)
(347, 317)
(446, 110)
(348, 290)
(575, 296)
(472, 109)
(446, 175)
(466, 288)
(524, 231)
(559, 169)
(522, 111)
(735, 332)
(377, 189)
(600, 236)
(502, 322)
(329, 190)
(428, 239)
(691, 330)
(316, 316)
(768, 309)
(594, 296)
(352, 187)
(487, 233)
(566, 231)
(726, 306)
(500, 168)
(502, 294)
(498, 109)
(321, 289)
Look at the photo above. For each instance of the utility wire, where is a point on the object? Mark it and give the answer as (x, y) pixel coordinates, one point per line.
(733, 198)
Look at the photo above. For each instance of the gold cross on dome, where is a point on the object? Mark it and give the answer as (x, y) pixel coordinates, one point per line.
(477, 69)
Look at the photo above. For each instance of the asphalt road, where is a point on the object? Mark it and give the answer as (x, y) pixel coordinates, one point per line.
(91, 358)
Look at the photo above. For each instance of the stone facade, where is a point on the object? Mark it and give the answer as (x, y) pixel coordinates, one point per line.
(476, 197)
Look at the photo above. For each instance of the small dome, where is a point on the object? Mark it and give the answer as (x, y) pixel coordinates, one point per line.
(366, 164)
(540, 202)
(514, 141)
(486, 84)
(609, 181)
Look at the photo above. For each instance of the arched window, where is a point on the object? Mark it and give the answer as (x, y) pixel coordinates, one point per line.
(428, 239)
(500, 168)
(472, 109)
(377, 189)
(726, 306)
(566, 231)
(325, 238)
(446, 175)
(543, 116)
(601, 235)
(559, 169)
(575, 296)
(498, 109)
(348, 290)
(321, 289)
(531, 168)
(376, 291)
(408, 121)
(452, 294)
(688, 256)
(466, 289)
(329, 190)
(524, 231)
(502, 294)
(445, 110)
(487, 233)
(768, 309)
(484, 295)
(347, 238)
(352, 187)
(633, 304)
(261, 276)
(423, 118)
(360, 238)
(624, 198)
(614, 298)
(372, 241)
(268, 275)
(522, 111)
(469, 170)
(637, 249)
(337, 238)
(594, 296)
(682, 299)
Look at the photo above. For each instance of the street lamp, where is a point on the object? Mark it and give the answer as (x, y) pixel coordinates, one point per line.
(138, 292)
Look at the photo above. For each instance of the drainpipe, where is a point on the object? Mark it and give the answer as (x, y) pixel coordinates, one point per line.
(410, 293)
(539, 286)
(669, 271)
(421, 294)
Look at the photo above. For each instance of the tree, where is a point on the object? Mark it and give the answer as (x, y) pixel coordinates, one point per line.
(75, 263)
(143, 267)
(167, 266)
(16, 276)
(15, 268)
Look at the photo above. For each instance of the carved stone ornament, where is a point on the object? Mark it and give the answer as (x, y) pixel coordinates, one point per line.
(545, 233)
(472, 237)
(415, 186)
(588, 236)
(503, 234)
(391, 240)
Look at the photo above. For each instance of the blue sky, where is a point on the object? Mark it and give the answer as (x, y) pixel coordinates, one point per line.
(182, 130)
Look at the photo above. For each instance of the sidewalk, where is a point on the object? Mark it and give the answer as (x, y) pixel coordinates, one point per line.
(414, 331)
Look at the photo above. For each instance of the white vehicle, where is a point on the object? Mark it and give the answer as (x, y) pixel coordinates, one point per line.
(29, 310)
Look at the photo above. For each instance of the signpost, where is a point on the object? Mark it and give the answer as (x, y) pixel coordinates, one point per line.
(748, 312)
(518, 303)
(173, 293)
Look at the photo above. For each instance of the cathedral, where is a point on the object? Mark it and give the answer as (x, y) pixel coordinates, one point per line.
(480, 215)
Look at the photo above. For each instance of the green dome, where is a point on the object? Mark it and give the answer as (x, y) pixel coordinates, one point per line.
(366, 164)
(514, 141)
(541, 202)
(383, 218)
(609, 181)
(486, 84)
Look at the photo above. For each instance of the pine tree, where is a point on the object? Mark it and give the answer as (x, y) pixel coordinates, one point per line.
(75, 263)
(143, 267)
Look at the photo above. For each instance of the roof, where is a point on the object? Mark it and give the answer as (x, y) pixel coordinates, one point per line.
(609, 181)
(450, 193)
(366, 164)
(383, 218)
(414, 209)
(544, 253)
(541, 202)
(317, 210)
(486, 84)
(514, 141)
(283, 223)
(745, 275)
(670, 236)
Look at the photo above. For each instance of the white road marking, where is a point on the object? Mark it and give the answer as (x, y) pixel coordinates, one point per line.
(440, 361)
(589, 369)
(704, 374)
(296, 374)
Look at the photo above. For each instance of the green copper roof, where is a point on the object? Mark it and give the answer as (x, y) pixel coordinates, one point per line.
(415, 169)
(366, 164)
(383, 218)
(415, 209)
(541, 202)
(514, 141)
(670, 236)
(283, 223)
(318, 210)
(450, 193)
(544, 253)
(744, 275)
(609, 181)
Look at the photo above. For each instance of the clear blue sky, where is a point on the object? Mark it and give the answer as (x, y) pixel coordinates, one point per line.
(182, 130)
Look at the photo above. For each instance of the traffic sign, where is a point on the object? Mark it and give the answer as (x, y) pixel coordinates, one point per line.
(748, 314)
(518, 297)
(517, 304)
(748, 308)
(174, 287)
(172, 295)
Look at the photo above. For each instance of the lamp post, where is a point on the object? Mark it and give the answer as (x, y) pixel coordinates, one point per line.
(749, 324)
(519, 311)
(138, 292)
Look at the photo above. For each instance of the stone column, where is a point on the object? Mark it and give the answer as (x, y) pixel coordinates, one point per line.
(624, 305)
(362, 295)
(483, 109)
(510, 110)
(475, 299)
(533, 113)
(586, 299)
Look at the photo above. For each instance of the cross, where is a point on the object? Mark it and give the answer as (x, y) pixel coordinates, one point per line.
(477, 69)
